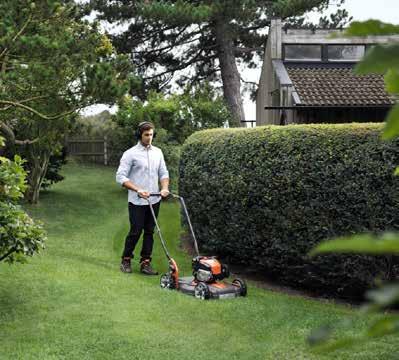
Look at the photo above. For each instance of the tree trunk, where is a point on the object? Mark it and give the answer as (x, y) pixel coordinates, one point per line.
(230, 75)
(37, 171)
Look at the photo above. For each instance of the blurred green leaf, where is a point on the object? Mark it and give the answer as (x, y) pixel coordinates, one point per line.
(379, 59)
(320, 335)
(384, 296)
(392, 80)
(371, 27)
(333, 345)
(388, 243)
(322, 342)
(392, 123)
(385, 326)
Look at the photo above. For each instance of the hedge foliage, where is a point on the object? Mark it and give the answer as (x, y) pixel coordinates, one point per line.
(264, 197)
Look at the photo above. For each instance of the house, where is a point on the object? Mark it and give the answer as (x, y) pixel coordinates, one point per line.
(307, 77)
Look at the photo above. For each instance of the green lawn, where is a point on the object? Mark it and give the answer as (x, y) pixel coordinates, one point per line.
(72, 302)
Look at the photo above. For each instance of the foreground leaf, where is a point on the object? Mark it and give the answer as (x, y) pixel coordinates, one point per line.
(392, 80)
(384, 296)
(392, 123)
(371, 27)
(385, 326)
(320, 335)
(379, 59)
(332, 345)
(388, 243)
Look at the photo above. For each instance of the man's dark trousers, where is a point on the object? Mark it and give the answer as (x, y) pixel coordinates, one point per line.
(141, 219)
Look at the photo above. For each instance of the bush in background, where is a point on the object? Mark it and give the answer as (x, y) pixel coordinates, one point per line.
(264, 197)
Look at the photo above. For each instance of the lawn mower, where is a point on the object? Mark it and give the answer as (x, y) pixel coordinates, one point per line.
(208, 273)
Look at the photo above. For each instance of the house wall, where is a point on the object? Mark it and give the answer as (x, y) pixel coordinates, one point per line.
(265, 82)
(268, 83)
(337, 116)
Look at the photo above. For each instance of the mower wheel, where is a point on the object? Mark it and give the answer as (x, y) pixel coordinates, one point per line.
(225, 271)
(166, 282)
(242, 285)
(202, 292)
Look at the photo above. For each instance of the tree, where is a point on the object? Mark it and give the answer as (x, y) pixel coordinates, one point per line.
(209, 37)
(20, 236)
(383, 59)
(180, 115)
(52, 64)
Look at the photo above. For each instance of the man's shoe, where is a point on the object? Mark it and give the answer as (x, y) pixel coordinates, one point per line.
(126, 266)
(146, 268)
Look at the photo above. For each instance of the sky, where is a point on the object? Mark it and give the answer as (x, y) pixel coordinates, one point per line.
(384, 10)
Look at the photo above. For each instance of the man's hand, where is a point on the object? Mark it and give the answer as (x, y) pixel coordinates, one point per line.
(165, 193)
(143, 194)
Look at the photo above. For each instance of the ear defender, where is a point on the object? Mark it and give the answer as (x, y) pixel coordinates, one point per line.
(139, 129)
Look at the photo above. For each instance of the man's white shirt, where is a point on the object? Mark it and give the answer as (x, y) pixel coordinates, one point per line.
(145, 167)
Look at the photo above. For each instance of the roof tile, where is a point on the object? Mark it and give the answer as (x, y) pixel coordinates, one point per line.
(338, 86)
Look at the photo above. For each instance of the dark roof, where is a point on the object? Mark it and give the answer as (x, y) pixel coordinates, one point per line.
(337, 86)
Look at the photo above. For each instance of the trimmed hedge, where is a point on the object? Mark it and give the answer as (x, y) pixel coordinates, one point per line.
(264, 197)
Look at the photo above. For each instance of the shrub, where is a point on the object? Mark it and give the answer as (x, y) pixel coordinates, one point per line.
(264, 197)
(20, 236)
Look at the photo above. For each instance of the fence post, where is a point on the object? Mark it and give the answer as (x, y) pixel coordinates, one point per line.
(105, 151)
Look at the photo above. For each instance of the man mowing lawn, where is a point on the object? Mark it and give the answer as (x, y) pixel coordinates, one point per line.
(141, 169)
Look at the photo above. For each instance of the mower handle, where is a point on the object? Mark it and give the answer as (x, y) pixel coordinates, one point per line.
(183, 204)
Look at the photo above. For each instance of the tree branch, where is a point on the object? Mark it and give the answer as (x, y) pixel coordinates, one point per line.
(10, 136)
(25, 100)
(169, 47)
(37, 113)
(153, 33)
(248, 82)
(243, 50)
(18, 34)
(8, 254)
(4, 65)
(26, 142)
(8, 132)
(191, 61)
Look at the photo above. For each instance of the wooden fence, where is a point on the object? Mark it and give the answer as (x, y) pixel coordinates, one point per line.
(91, 150)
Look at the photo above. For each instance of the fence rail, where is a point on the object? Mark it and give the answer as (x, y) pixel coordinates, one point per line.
(252, 122)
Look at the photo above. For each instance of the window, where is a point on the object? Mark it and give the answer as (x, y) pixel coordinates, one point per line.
(345, 52)
(303, 52)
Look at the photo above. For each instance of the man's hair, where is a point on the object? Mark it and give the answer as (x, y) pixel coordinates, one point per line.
(144, 126)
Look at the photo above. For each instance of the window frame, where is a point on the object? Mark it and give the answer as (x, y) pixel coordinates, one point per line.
(345, 60)
(302, 60)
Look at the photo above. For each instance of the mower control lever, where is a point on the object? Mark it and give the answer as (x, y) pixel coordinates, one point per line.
(170, 194)
(159, 194)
